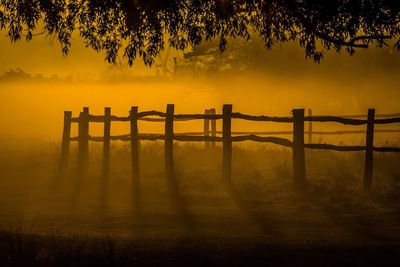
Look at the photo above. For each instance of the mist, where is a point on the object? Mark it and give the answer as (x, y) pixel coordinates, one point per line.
(278, 81)
(195, 208)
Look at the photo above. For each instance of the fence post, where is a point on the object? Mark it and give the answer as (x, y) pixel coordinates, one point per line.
(106, 140)
(207, 128)
(213, 127)
(299, 173)
(310, 127)
(83, 136)
(169, 142)
(136, 196)
(106, 157)
(227, 142)
(369, 151)
(65, 144)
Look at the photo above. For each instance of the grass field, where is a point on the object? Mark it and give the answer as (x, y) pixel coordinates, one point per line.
(255, 219)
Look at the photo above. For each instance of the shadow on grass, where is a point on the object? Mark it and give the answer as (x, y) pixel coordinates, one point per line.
(178, 202)
(363, 225)
(266, 222)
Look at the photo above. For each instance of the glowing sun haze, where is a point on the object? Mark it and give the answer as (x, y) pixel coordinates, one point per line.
(340, 84)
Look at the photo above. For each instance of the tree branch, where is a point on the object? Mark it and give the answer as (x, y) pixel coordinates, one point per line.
(294, 10)
(352, 42)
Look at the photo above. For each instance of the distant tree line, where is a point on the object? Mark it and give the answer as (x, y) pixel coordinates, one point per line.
(140, 28)
(18, 74)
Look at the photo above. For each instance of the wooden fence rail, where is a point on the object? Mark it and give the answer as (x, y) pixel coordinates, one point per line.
(209, 135)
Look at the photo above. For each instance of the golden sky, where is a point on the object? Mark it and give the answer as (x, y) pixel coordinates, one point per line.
(340, 84)
(42, 55)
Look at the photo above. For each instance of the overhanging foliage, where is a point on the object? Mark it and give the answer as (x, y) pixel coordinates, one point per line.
(139, 28)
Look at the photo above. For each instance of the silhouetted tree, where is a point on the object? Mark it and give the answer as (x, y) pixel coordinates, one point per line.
(240, 55)
(139, 27)
(15, 74)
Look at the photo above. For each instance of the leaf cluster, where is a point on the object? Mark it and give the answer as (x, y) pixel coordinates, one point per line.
(141, 28)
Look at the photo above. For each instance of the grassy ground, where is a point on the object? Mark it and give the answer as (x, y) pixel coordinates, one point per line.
(197, 219)
(17, 250)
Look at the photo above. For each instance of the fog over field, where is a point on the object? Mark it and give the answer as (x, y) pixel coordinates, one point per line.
(258, 206)
(277, 81)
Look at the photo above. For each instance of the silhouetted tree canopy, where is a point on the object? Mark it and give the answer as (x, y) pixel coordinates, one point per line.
(139, 28)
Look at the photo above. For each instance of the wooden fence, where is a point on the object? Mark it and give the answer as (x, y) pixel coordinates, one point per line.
(210, 136)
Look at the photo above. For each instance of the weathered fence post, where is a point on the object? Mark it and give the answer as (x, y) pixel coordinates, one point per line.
(227, 142)
(106, 157)
(169, 142)
(136, 196)
(172, 183)
(310, 127)
(207, 128)
(65, 144)
(106, 140)
(369, 151)
(83, 136)
(213, 127)
(299, 172)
